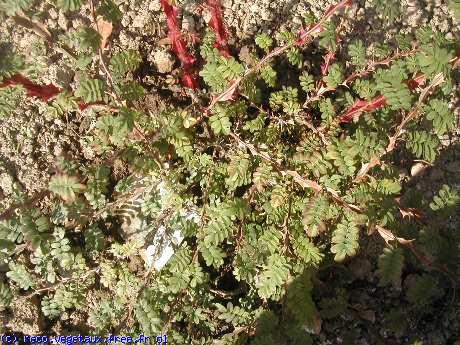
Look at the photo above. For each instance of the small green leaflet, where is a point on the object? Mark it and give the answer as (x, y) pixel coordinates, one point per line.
(442, 117)
(91, 90)
(67, 187)
(70, 5)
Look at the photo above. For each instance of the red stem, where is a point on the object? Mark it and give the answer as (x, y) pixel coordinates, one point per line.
(179, 46)
(216, 23)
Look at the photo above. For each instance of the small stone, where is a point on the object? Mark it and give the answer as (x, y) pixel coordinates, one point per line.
(6, 183)
(140, 21)
(125, 21)
(63, 22)
(188, 23)
(245, 55)
(53, 13)
(417, 169)
(155, 5)
(163, 61)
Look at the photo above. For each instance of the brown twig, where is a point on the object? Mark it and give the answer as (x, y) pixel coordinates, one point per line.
(411, 115)
(101, 53)
(42, 31)
(371, 67)
(62, 282)
(8, 213)
(302, 39)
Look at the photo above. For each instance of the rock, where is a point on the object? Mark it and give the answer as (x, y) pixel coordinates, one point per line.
(155, 5)
(140, 21)
(188, 23)
(6, 183)
(417, 169)
(53, 13)
(63, 22)
(163, 61)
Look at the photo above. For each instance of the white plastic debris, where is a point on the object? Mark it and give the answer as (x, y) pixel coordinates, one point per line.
(158, 255)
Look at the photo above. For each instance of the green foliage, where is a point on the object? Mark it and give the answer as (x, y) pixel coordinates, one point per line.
(389, 9)
(357, 53)
(446, 199)
(10, 98)
(390, 84)
(454, 5)
(86, 38)
(50, 307)
(306, 82)
(109, 10)
(5, 296)
(220, 121)
(285, 99)
(12, 7)
(269, 75)
(342, 154)
(314, 214)
(117, 127)
(124, 62)
(274, 274)
(364, 89)
(218, 72)
(328, 37)
(264, 41)
(424, 289)
(307, 251)
(70, 5)
(327, 110)
(345, 239)
(238, 171)
(331, 307)
(18, 273)
(10, 62)
(218, 222)
(335, 76)
(390, 263)
(233, 315)
(67, 187)
(131, 91)
(441, 116)
(422, 145)
(91, 90)
(433, 60)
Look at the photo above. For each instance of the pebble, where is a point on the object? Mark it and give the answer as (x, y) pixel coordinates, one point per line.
(53, 13)
(417, 169)
(63, 22)
(188, 23)
(163, 61)
(155, 5)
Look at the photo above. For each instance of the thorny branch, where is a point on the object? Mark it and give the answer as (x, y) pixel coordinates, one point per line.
(370, 68)
(411, 115)
(303, 38)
